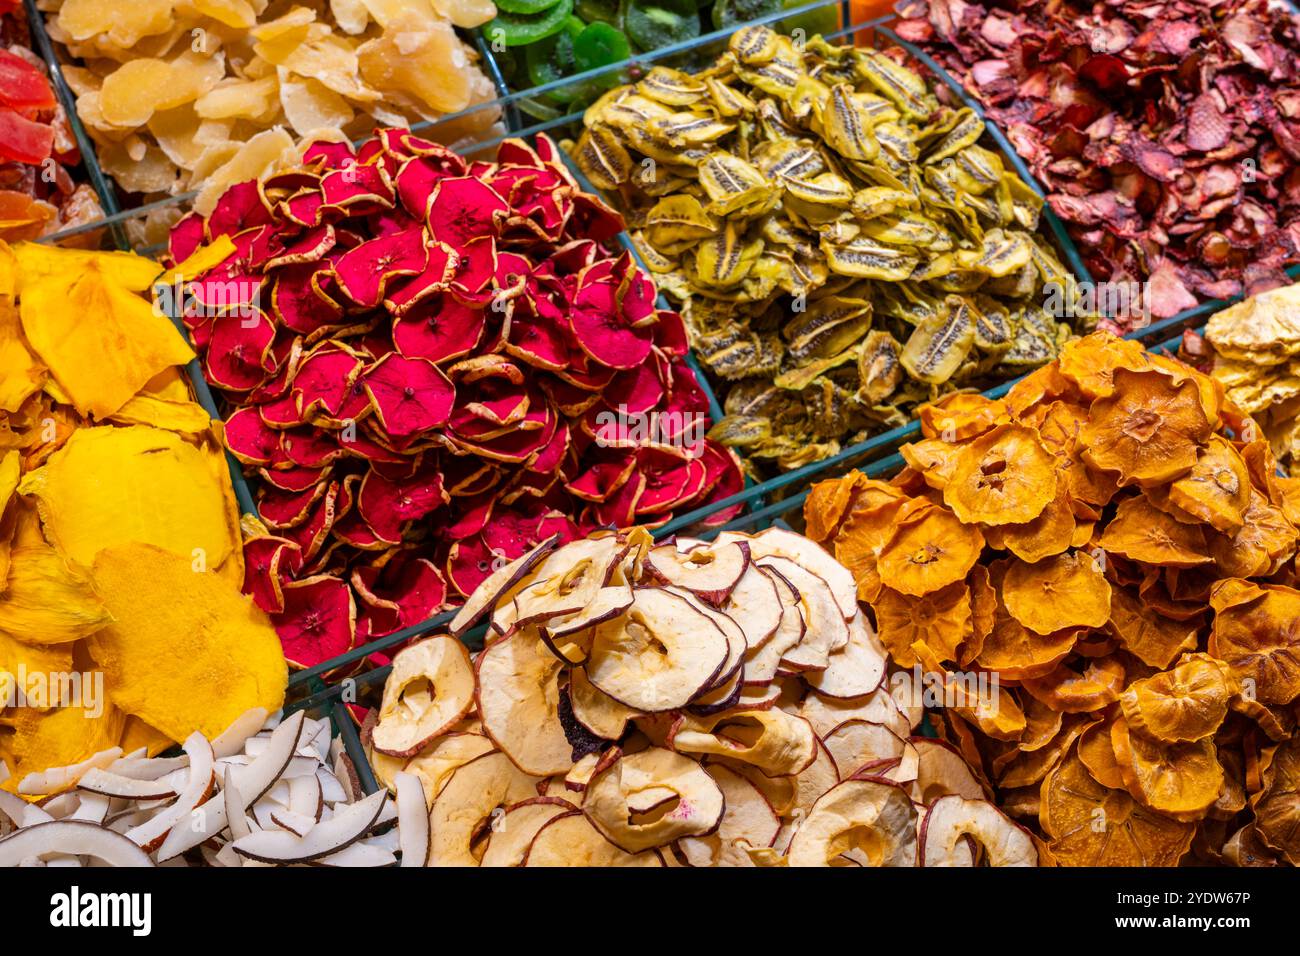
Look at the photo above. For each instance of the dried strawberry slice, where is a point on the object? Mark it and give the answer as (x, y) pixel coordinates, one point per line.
(463, 208)
(439, 329)
(239, 354)
(249, 439)
(410, 395)
(364, 272)
(269, 561)
(318, 622)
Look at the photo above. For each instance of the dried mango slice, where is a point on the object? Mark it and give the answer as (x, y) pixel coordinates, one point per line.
(111, 486)
(1179, 780)
(46, 601)
(929, 549)
(18, 657)
(1254, 634)
(1187, 703)
(1217, 490)
(1142, 532)
(63, 736)
(1005, 476)
(186, 650)
(1092, 825)
(1149, 430)
(99, 363)
(1064, 591)
(940, 619)
(21, 373)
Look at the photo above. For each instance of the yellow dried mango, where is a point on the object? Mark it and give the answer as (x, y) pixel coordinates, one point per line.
(186, 650)
(46, 601)
(21, 373)
(111, 486)
(64, 735)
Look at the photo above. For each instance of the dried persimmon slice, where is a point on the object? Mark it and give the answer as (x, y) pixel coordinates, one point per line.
(929, 549)
(1256, 635)
(1006, 476)
(940, 619)
(1186, 703)
(1179, 780)
(1051, 533)
(1145, 633)
(1079, 692)
(1142, 532)
(960, 416)
(1277, 811)
(1093, 825)
(1091, 362)
(1149, 431)
(1099, 756)
(1217, 490)
(1064, 591)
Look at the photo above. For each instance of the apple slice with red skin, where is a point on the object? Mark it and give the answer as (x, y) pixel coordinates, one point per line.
(825, 628)
(658, 655)
(807, 554)
(749, 821)
(775, 742)
(870, 815)
(430, 688)
(509, 841)
(518, 697)
(568, 580)
(857, 668)
(857, 743)
(467, 803)
(942, 771)
(487, 594)
(597, 711)
(651, 798)
(709, 571)
(952, 819)
(572, 840)
(763, 662)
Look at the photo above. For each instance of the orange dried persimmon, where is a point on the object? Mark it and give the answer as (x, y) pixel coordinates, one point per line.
(1186, 703)
(1099, 756)
(828, 502)
(983, 610)
(1256, 634)
(1179, 780)
(1059, 426)
(1042, 724)
(932, 458)
(997, 714)
(941, 620)
(1091, 362)
(1073, 692)
(1037, 388)
(1006, 476)
(1064, 591)
(1016, 652)
(1265, 540)
(1217, 490)
(1142, 532)
(1145, 633)
(929, 549)
(959, 416)
(860, 539)
(1277, 809)
(1028, 767)
(1149, 431)
(1209, 390)
(1049, 534)
(1092, 825)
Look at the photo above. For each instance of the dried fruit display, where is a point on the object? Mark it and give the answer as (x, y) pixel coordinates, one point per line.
(1255, 346)
(538, 42)
(437, 364)
(262, 792)
(1111, 543)
(38, 195)
(208, 94)
(1166, 132)
(121, 619)
(842, 247)
(685, 703)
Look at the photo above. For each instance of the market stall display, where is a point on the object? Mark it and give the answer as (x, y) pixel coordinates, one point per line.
(1253, 347)
(38, 154)
(676, 704)
(1166, 132)
(438, 365)
(1113, 542)
(272, 792)
(121, 622)
(842, 247)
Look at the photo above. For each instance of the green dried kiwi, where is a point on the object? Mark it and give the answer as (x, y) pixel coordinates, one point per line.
(728, 101)
(675, 224)
(965, 132)
(869, 260)
(981, 168)
(1001, 254)
(754, 46)
(731, 183)
(905, 229)
(875, 201)
(654, 260)
(845, 120)
(741, 431)
(937, 347)
(777, 76)
(879, 370)
(993, 330)
(723, 260)
(788, 159)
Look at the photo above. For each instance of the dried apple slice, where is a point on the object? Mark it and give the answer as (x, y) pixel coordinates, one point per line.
(859, 743)
(826, 628)
(608, 604)
(857, 668)
(567, 581)
(763, 662)
(518, 697)
(777, 542)
(749, 822)
(651, 798)
(755, 606)
(597, 711)
(941, 771)
(827, 713)
(572, 840)
(487, 594)
(736, 643)
(435, 765)
(709, 571)
(658, 655)
(950, 820)
(510, 839)
(467, 803)
(775, 742)
(430, 689)
(871, 816)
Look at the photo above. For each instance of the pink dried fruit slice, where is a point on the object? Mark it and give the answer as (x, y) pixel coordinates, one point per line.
(462, 208)
(356, 188)
(469, 562)
(268, 562)
(318, 622)
(323, 380)
(363, 273)
(410, 395)
(439, 329)
(249, 439)
(297, 303)
(436, 276)
(239, 351)
(309, 447)
(240, 207)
